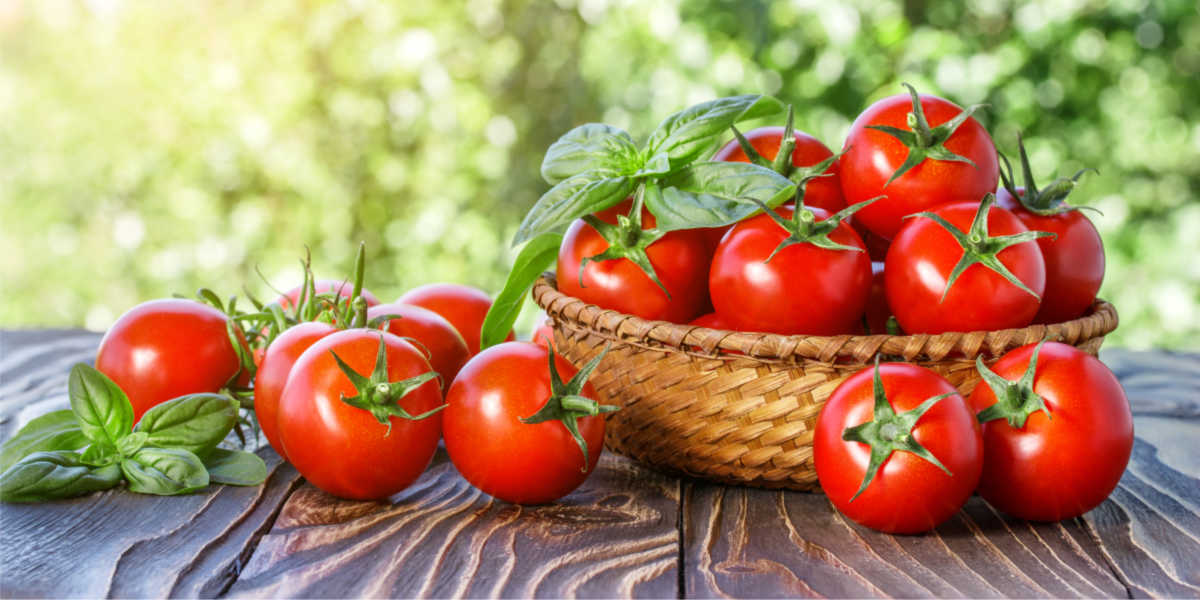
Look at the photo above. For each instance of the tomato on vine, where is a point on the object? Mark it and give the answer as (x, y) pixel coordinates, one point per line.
(1074, 258)
(940, 278)
(445, 348)
(897, 449)
(516, 431)
(893, 150)
(359, 414)
(1057, 431)
(345, 289)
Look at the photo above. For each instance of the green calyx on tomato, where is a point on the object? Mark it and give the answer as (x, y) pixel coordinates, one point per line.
(567, 405)
(1045, 202)
(804, 228)
(888, 432)
(1015, 400)
(979, 247)
(377, 395)
(787, 145)
(922, 140)
(626, 240)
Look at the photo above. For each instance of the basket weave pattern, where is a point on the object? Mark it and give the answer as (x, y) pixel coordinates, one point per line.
(740, 407)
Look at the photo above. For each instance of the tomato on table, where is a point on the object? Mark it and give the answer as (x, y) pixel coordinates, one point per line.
(928, 289)
(1057, 432)
(821, 192)
(464, 306)
(919, 152)
(445, 348)
(679, 258)
(496, 445)
(162, 349)
(897, 449)
(812, 278)
(277, 363)
(358, 414)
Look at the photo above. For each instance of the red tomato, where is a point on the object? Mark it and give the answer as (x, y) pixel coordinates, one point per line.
(514, 461)
(272, 375)
(712, 321)
(464, 306)
(543, 336)
(343, 289)
(163, 349)
(1062, 460)
(1074, 260)
(877, 246)
(877, 312)
(822, 192)
(802, 289)
(680, 258)
(908, 493)
(924, 254)
(871, 158)
(435, 336)
(343, 449)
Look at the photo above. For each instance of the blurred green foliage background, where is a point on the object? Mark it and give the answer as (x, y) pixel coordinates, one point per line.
(148, 148)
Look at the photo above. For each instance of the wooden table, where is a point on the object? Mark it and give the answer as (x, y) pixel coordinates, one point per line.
(629, 531)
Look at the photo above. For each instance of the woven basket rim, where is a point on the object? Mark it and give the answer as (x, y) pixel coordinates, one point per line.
(1099, 320)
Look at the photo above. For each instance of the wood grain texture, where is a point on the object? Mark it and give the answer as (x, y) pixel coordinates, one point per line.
(616, 536)
(117, 543)
(1143, 541)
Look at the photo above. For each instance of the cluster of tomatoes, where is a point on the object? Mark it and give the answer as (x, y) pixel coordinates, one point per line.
(356, 394)
(908, 221)
(1045, 436)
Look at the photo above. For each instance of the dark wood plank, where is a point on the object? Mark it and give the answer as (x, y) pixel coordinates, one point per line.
(117, 543)
(1149, 529)
(616, 536)
(1143, 541)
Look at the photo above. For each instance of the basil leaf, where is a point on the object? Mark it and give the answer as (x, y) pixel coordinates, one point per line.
(583, 194)
(164, 472)
(103, 410)
(100, 454)
(685, 135)
(58, 430)
(54, 475)
(712, 194)
(235, 467)
(590, 147)
(130, 444)
(196, 422)
(539, 253)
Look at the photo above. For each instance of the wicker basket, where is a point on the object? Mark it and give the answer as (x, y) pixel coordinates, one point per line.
(739, 407)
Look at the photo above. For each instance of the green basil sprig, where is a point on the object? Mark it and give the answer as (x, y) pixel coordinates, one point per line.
(162, 455)
(534, 258)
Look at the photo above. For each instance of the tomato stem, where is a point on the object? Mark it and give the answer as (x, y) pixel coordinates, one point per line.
(1015, 400)
(378, 395)
(565, 403)
(1046, 202)
(922, 140)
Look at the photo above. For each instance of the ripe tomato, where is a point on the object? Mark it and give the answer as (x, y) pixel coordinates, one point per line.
(464, 306)
(343, 289)
(884, 475)
(435, 336)
(680, 259)
(803, 288)
(498, 453)
(277, 363)
(822, 192)
(712, 320)
(1061, 434)
(924, 254)
(345, 449)
(872, 157)
(543, 336)
(1074, 260)
(163, 349)
(877, 246)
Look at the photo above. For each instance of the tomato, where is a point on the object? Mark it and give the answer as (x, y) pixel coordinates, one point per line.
(344, 449)
(1074, 260)
(803, 288)
(343, 289)
(679, 258)
(877, 312)
(277, 363)
(543, 336)
(163, 349)
(821, 192)
(877, 246)
(499, 454)
(464, 306)
(917, 416)
(430, 332)
(1056, 445)
(872, 157)
(712, 320)
(924, 255)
